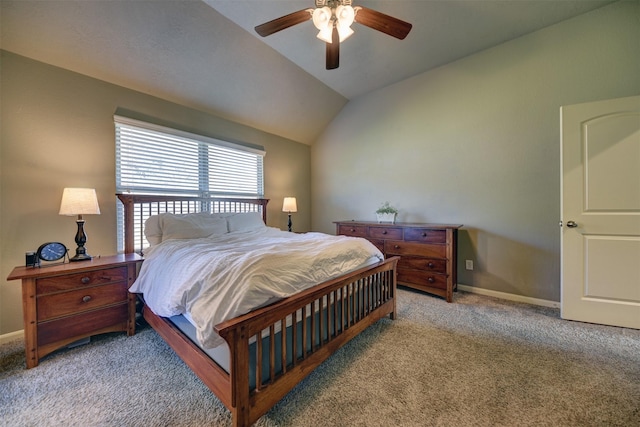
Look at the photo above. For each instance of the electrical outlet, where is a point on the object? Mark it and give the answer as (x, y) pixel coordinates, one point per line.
(468, 264)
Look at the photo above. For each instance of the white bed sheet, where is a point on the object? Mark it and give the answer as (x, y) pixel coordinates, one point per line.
(218, 278)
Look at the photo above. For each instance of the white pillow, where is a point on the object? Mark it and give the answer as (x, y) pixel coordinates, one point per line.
(192, 226)
(153, 230)
(245, 222)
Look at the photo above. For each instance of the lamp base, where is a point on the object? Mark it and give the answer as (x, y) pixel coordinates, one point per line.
(81, 239)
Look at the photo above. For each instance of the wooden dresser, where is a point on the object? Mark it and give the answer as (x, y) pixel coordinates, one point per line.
(427, 251)
(67, 302)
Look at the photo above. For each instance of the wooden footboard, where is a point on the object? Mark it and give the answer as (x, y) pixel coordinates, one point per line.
(337, 311)
(347, 305)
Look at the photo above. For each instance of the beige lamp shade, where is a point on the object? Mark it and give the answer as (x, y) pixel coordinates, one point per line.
(79, 201)
(289, 205)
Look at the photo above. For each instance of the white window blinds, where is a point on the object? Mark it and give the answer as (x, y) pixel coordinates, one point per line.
(156, 159)
(160, 160)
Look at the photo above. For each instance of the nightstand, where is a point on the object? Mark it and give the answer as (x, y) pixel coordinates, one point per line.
(67, 302)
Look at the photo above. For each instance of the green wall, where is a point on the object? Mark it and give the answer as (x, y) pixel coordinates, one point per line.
(57, 131)
(477, 142)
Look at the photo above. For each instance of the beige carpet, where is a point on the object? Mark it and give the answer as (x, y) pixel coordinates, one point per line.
(477, 362)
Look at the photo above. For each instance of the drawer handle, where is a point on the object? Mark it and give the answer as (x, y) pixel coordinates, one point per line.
(384, 232)
(430, 265)
(424, 234)
(431, 280)
(85, 280)
(86, 298)
(353, 230)
(396, 246)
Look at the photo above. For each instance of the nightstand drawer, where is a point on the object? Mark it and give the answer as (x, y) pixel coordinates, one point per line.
(111, 318)
(81, 280)
(399, 247)
(385, 233)
(423, 278)
(353, 230)
(80, 300)
(434, 265)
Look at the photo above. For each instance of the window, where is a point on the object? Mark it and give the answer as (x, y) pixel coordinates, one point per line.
(160, 160)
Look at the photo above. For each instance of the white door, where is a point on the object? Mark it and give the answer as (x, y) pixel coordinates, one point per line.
(600, 194)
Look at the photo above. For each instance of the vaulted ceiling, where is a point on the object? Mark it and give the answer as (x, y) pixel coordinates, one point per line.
(206, 55)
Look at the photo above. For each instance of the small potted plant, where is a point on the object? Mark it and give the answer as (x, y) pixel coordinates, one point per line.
(386, 213)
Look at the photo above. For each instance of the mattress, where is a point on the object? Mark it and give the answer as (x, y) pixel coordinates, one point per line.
(224, 276)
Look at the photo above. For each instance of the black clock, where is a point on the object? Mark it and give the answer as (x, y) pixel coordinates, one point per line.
(51, 251)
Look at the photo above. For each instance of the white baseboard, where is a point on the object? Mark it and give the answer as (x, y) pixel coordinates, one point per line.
(466, 288)
(507, 296)
(11, 336)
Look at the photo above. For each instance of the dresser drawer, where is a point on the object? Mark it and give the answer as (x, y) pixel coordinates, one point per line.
(114, 318)
(80, 300)
(385, 233)
(399, 247)
(80, 280)
(425, 235)
(422, 278)
(353, 230)
(434, 265)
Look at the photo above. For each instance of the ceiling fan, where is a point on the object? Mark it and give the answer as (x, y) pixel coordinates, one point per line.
(334, 18)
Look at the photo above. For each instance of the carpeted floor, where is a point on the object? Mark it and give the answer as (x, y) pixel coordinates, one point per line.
(477, 362)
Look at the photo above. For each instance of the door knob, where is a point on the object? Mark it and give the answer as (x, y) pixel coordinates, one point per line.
(572, 224)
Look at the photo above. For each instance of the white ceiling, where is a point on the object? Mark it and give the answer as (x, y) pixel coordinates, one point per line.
(443, 31)
(206, 55)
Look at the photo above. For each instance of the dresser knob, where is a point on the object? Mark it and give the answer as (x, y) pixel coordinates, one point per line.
(384, 232)
(353, 230)
(431, 280)
(86, 298)
(424, 234)
(396, 247)
(430, 265)
(85, 280)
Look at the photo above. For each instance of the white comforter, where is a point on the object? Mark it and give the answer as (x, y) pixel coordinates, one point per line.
(218, 278)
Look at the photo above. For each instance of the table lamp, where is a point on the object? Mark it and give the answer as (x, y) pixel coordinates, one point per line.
(289, 205)
(80, 201)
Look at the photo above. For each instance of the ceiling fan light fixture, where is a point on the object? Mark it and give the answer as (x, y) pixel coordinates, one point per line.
(322, 18)
(325, 34)
(345, 15)
(344, 33)
(344, 18)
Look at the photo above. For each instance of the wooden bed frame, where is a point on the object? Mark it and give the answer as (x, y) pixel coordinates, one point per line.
(351, 303)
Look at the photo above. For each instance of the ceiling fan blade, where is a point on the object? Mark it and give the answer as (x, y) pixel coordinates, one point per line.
(381, 22)
(333, 51)
(284, 22)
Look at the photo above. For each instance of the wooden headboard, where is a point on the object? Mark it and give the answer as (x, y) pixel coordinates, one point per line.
(139, 207)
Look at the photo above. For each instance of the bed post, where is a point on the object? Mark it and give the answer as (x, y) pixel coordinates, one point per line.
(264, 209)
(239, 370)
(128, 223)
